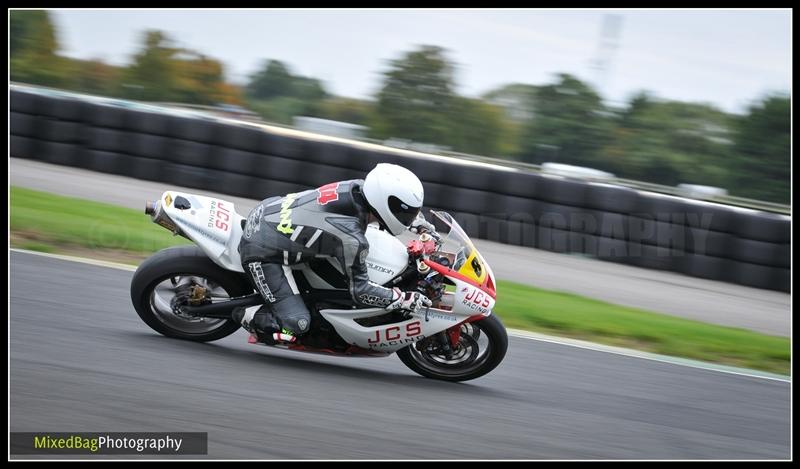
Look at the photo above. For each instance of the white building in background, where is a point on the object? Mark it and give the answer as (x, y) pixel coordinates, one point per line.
(576, 172)
(695, 191)
(329, 127)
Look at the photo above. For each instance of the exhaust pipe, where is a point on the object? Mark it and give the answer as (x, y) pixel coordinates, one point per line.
(160, 217)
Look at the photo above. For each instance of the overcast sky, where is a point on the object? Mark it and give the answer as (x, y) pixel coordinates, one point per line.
(728, 58)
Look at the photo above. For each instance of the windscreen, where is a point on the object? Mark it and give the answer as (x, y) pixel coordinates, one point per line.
(467, 260)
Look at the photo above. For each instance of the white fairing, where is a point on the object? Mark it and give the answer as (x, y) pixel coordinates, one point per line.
(211, 223)
(387, 255)
(466, 301)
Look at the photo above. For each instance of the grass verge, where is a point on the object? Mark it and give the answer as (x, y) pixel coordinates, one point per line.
(575, 316)
(45, 222)
(41, 221)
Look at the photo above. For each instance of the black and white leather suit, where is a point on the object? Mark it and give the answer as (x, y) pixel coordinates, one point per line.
(326, 222)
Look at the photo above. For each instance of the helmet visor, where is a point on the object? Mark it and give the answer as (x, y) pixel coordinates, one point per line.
(402, 211)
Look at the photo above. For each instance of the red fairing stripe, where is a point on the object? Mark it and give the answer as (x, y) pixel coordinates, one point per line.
(487, 287)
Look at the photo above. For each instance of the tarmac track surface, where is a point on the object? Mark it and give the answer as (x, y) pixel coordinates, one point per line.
(82, 360)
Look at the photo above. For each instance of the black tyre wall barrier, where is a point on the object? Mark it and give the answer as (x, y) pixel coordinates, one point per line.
(244, 138)
(62, 131)
(606, 198)
(504, 205)
(103, 115)
(759, 276)
(27, 103)
(22, 124)
(65, 154)
(710, 267)
(762, 227)
(149, 145)
(23, 147)
(153, 123)
(105, 139)
(63, 109)
(761, 252)
(562, 191)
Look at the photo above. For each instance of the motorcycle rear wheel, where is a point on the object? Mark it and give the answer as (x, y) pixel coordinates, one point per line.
(156, 279)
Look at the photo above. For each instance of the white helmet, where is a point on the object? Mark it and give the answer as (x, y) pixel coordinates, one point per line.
(395, 195)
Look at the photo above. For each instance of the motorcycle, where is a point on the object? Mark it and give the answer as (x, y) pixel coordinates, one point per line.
(189, 292)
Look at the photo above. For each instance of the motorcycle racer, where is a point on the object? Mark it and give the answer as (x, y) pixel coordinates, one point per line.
(327, 222)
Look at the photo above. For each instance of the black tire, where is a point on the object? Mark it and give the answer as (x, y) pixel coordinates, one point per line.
(608, 198)
(182, 260)
(710, 267)
(149, 146)
(492, 327)
(109, 162)
(457, 199)
(654, 257)
(233, 161)
(24, 101)
(24, 125)
(494, 229)
(147, 122)
(761, 252)
(23, 147)
(607, 224)
(106, 115)
(763, 226)
(654, 232)
(279, 145)
(194, 129)
(243, 137)
(65, 154)
(188, 153)
(148, 169)
(759, 276)
(63, 108)
(709, 243)
(101, 138)
(63, 131)
(513, 231)
(613, 250)
(562, 191)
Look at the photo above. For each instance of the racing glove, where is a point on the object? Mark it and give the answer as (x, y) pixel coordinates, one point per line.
(420, 225)
(410, 301)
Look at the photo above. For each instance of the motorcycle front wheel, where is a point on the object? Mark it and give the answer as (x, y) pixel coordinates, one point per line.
(481, 347)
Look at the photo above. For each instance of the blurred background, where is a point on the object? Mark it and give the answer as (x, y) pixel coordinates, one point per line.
(677, 98)
(626, 174)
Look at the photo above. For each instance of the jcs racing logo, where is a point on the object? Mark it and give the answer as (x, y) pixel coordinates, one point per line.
(476, 300)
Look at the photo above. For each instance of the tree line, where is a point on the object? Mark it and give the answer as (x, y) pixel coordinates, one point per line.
(566, 121)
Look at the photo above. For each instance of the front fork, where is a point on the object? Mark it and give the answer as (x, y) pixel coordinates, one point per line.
(448, 340)
(453, 334)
